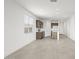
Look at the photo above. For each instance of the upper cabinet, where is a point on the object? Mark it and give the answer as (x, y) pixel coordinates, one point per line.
(39, 24)
(54, 24)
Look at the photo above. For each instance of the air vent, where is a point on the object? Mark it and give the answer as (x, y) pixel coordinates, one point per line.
(53, 0)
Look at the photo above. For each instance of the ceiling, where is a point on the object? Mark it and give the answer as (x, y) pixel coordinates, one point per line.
(45, 9)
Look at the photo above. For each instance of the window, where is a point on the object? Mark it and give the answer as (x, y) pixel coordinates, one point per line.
(28, 23)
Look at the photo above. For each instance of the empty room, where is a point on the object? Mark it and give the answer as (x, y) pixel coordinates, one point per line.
(39, 29)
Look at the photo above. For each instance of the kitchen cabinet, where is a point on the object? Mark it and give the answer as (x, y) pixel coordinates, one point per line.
(54, 24)
(40, 35)
(39, 24)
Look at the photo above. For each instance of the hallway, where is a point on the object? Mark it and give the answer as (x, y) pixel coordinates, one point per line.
(47, 49)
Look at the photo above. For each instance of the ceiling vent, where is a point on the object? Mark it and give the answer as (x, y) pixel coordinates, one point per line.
(53, 0)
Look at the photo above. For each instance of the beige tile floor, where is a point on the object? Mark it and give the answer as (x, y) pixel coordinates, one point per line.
(47, 48)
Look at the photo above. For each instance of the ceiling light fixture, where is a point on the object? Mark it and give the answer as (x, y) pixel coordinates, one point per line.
(53, 0)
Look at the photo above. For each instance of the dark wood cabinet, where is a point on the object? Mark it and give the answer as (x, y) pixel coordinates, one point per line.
(54, 24)
(39, 35)
(39, 24)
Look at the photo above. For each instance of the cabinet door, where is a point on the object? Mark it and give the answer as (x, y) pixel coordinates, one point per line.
(54, 24)
(38, 35)
(39, 24)
(54, 35)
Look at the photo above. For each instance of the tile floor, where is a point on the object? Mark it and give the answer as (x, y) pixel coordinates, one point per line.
(47, 48)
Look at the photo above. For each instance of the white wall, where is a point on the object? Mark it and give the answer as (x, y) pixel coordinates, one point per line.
(61, 27)
(69, 28)
(14, 28)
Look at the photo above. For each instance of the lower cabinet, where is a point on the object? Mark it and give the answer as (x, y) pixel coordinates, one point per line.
(39, 35)
(53, 35)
